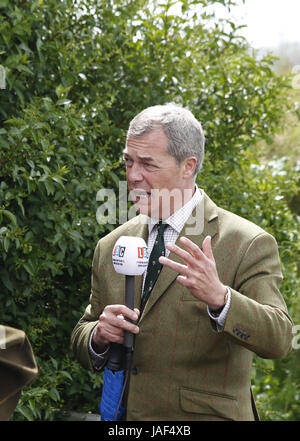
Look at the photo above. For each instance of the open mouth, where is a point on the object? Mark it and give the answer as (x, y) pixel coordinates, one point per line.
(139, 195)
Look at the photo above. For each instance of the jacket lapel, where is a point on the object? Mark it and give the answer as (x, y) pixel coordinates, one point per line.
(209, 228)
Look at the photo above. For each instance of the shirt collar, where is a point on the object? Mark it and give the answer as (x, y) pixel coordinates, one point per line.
(178, 219)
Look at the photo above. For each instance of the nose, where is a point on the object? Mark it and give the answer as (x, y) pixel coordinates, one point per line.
(134, 173)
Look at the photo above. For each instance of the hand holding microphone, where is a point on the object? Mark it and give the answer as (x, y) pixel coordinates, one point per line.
(130, 259)
(112, 325)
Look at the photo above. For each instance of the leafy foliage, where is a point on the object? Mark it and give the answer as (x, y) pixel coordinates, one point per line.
(76, 73)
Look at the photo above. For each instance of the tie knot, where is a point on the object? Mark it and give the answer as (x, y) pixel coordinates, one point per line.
(161, 227)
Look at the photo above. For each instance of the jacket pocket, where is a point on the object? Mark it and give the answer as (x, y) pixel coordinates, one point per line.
(209, 403)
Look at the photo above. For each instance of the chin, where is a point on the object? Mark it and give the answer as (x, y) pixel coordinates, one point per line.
(142, 208)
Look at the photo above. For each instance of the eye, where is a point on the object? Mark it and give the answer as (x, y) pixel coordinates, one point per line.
(150, 167)
(128, 162)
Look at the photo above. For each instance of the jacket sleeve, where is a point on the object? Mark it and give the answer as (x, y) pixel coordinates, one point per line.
(258, 318)
(83, 329)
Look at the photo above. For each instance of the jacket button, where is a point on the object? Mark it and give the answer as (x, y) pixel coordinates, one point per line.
(134, 371)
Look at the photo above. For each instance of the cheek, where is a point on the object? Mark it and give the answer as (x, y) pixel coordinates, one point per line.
(169, 181)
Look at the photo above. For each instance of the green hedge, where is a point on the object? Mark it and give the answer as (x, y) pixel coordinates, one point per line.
(75, 76)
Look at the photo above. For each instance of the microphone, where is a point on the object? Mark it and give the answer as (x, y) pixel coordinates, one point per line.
(129, 258)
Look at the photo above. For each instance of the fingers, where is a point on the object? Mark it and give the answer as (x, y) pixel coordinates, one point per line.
(207, 249)
(115, 315)
(184, 255)
(190, 257)
(194, 252)
(182, 269)
(123, 310)
(112, 323)
(199, 274)
(192, 247)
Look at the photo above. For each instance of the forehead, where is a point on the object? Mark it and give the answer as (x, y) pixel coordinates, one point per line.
(152, 143)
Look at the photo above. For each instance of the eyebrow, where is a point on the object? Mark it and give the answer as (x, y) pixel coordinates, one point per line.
(143, 158)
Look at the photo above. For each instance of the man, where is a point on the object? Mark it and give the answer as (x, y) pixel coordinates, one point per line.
(17, 368)
(216, 299)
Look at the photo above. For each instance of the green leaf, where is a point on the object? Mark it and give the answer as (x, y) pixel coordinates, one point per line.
(10, 215)
(54, 394)
(26, 413)
(29, 267)
(6, 281)
(63, 101)
(6, 243)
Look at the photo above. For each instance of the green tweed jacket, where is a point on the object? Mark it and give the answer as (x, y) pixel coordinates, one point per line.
(17, 368)
(183, 368)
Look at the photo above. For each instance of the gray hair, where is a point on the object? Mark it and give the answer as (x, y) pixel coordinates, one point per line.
(185, 134)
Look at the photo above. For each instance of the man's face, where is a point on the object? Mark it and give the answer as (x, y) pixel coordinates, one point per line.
(155, 180)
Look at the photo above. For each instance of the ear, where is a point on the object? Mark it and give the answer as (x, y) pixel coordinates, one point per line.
(189, 166)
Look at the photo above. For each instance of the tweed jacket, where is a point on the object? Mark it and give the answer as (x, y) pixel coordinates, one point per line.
(17, 368)
(183, 368)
